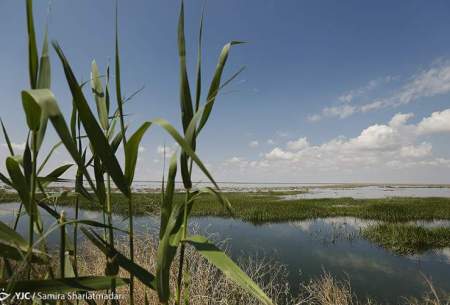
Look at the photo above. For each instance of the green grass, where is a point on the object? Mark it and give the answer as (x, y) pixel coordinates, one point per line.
(268, 208)
(408, 239)
(260, 207)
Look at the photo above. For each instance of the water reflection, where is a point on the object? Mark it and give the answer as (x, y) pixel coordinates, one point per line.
(307, 248)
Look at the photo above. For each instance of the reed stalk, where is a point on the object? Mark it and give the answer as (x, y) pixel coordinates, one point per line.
(32, 203)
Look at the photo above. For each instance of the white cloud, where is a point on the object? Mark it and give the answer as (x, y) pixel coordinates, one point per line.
(270, 142)
(418, 151)
(437, 122)
(167, 150)
(234, 160)
(394, 145)
(253, 144)
(400, 119)
(299, 144)
(279, 154)
(376, 137)
(341, 111)
(427, 83)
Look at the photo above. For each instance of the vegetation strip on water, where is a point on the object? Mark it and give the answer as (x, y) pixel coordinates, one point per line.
(408, 239)
(261, 207)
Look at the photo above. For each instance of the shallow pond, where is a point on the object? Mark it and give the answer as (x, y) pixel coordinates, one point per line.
(308, 248)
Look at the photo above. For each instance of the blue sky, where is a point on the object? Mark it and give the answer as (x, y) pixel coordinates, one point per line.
(334, 91)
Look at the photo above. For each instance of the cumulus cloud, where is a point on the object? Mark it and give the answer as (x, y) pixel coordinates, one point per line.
(426, 83)
(279, 154)
(395, 144)
(400, 119)
(419, 151)
(436, 123)
(299, 144)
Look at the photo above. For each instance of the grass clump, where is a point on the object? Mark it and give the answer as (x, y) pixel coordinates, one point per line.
(408, 239)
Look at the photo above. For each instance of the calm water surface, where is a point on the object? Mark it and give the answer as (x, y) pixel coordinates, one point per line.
(374, 191)
(308, 248)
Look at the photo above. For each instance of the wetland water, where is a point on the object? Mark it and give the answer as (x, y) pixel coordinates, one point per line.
(308, 248)
(372, 192)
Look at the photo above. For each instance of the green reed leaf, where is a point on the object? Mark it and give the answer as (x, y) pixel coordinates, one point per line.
(140, 273)
(44, 98)
(11, 236)
(57, 172)
(99, 95)
(27, 163)
(8, 142)
(73, 121)
(18, 181)
(32, 111)
(13, 252)
(107, 90)
(95, 134)
(219, 259)
(54, 175)
(132, 150)
(166, 204)
(33, 64)
(44, 77)
(48, 156)
(167, 249)
(185, 146)
(115, 143)
(198, 87)
(185, 91)
(215, 83)
(99, 180)
(117, 75)
(50, 108)
(5, 180)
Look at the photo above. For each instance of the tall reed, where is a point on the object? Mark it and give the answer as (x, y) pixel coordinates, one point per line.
(92, 142)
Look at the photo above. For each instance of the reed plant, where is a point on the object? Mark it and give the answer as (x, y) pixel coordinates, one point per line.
(91, 139)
